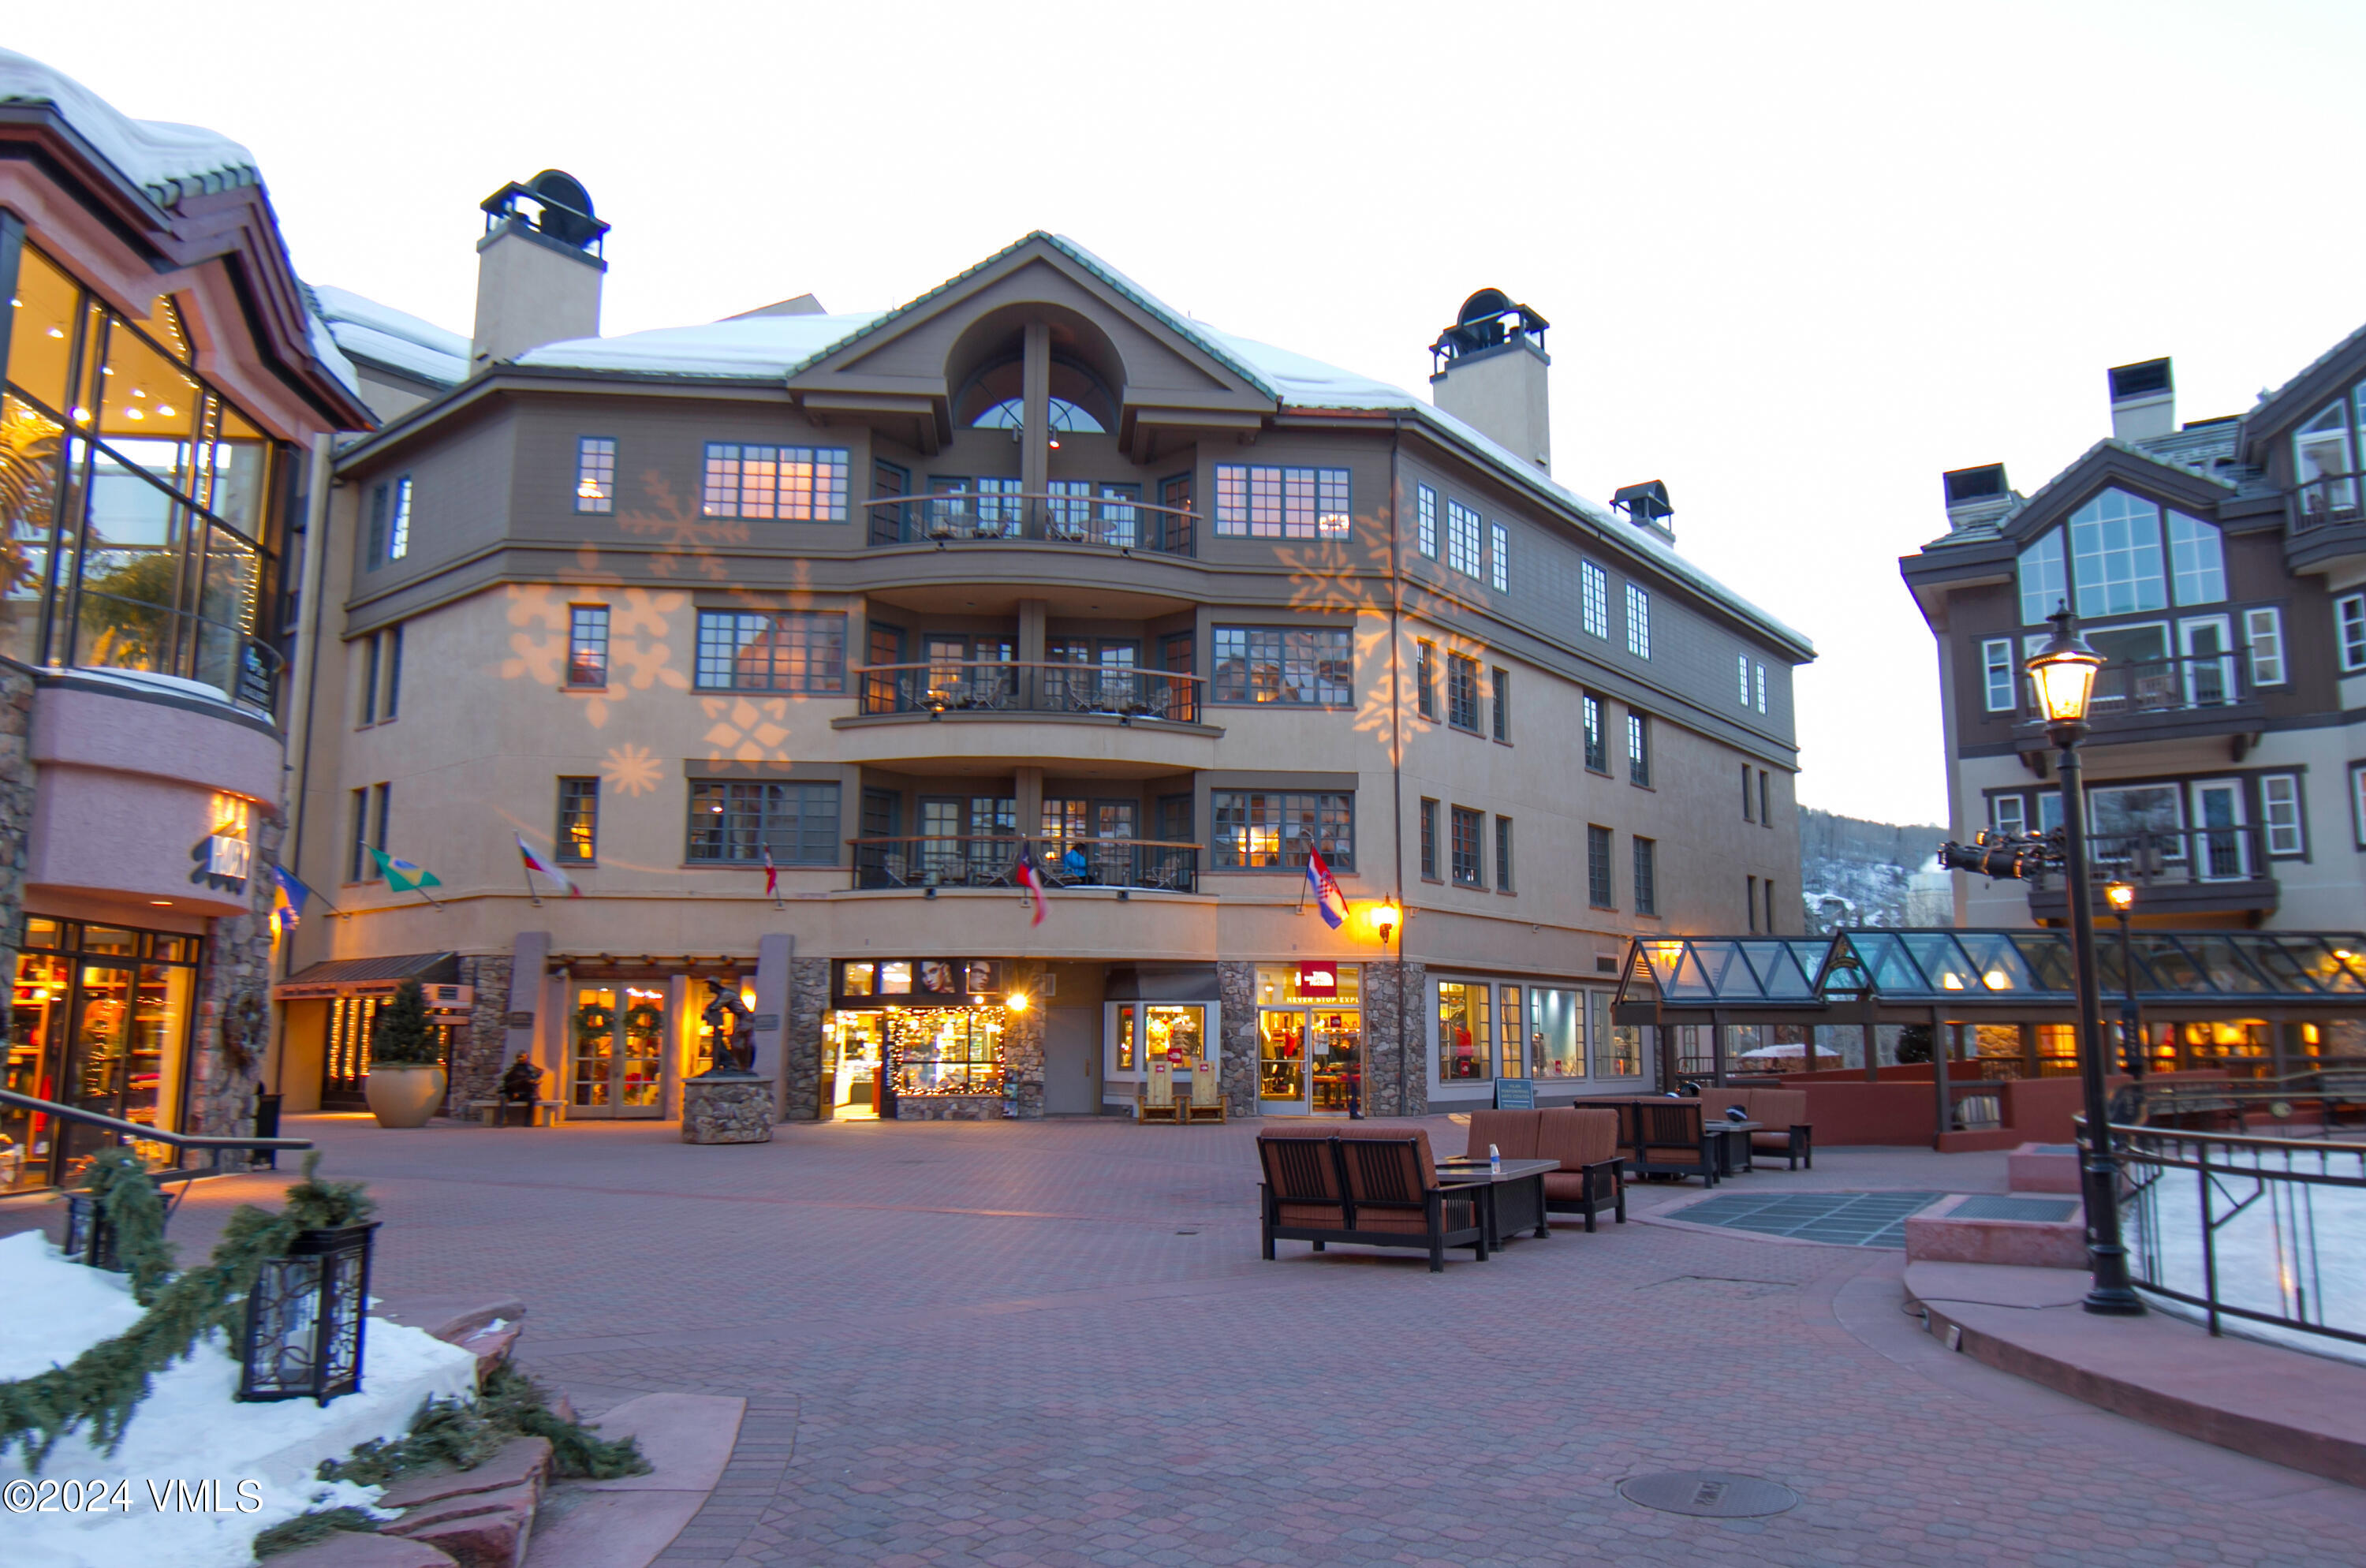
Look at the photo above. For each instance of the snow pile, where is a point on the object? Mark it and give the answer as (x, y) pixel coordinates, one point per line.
(2260, 1264)
(747, 346)
(392, 337)
(189, 1429)
(170, 160)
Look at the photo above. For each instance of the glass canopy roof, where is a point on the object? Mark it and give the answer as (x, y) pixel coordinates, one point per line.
(1995, 968)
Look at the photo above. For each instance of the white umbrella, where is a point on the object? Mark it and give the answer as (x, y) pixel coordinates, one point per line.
(1787, 1051)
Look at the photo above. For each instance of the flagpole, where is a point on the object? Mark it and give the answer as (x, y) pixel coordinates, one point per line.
(527, 872)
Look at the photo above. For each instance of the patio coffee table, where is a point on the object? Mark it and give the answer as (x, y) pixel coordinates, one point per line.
(1733, 1146)
(1513, 1199)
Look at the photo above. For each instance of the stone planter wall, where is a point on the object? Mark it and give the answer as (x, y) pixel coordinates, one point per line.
(726, 1110)
(949, 1108)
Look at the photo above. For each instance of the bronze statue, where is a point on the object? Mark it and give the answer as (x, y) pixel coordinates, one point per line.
(732, 1027)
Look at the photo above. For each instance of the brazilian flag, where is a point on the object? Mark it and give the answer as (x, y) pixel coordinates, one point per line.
(402, 876)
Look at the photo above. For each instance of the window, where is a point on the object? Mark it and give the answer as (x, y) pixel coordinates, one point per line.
(1468, 845)
(1762, 688)
(1750, 901)
(1280, 504)
(392, 638)
(578, 821)
(1741, 675)
(1174, 525)
(1747, 814)
(360, 866)
(2043, 584)
(1465, 1036)
(733, 823)
(2115, 565)
(398, 535)
(1647, 894)
(587, 644)
(2279, 796)
(595, 474)
(1462, 692)
(1556, 1032)
(1429, 840)
(1638, 622)
(1499, 557)
(2358, 804)
(1271, 664)
(2321, 463)
(370, 673)
(1597, 867)
(1499, 692)
(2197, 561)
(1425, 678)
(1462, 538)
(1597, 747)
(357, 861)
(2263, 633)
(1765, 807)
(1504, 855)
(786, 650)
(1595, 589)
(792, 484)
(2349, 621)
(1260, 828)
(390, 534)
(2009, 816)
(1767, 887)
(1997, 673)
(1639, 749)
(1425, 504)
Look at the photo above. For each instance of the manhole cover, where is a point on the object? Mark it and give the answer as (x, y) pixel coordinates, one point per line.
(1708, 1495)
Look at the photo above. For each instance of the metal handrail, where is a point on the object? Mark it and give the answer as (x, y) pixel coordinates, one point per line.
(2328, 501)
(1042, 516)
(2187, 682)
(202, 1142)
(991, 861)
(1002, 685)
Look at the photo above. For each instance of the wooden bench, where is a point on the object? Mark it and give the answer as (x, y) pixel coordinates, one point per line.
(1782, 1112)
(1592, 1175)
(494, 1112)
(1378, 1188)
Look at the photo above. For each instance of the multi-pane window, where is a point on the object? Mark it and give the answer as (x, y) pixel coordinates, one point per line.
(392, 638)
(1638, 622)
(2263, 634)
(1597, 866)
(1499, 692)
(1765, 804)
(1499, 557)
(1597, 746)
(2197, 560)
(371, 676)
(1647, 877)
(2321, 462)
(2009, 816)
(1593, 585)
(1639, 749)
(2115, 565)
(792, 484)
(2349, 628)
(1470, 829)
(1280, 504)
(2280, 796)
(1997, 674)
(1274, 664)
(733, 823)
(389, 535)
(2044, 586)
(1425, 679)
(1462, 692)
(1462, 538)
(1747, 814)
(1741, 676)
(1466, 1032)
(783, 650)
(368, 835)
(578, 821)
(1425, 510)
(1261, 829)
(1429, 839)
(595, 473)
(1762, 687)
(1504, 853)
(587, 644)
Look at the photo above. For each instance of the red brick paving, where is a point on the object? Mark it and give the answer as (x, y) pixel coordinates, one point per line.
(988, 1344)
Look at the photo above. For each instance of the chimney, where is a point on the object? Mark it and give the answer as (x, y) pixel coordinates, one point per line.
(1646, 506)
(538, 269)
(1490, 373)
(1975, 496)
(2144, 400)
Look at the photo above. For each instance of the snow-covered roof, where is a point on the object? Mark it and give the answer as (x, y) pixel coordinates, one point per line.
(168, 161)
(744, 348)
(398, 339)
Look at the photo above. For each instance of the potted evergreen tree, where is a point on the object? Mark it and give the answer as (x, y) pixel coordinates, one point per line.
(406, 1072)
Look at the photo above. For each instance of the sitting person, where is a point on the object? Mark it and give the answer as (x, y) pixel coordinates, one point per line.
(1075, 866)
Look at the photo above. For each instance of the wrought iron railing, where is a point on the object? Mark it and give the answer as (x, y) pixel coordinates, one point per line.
(2328, 501)
(990, 686)
(2260, 1229)
(2175, 857)
(2322, 1099)
(1115, 522)
(991, 861)
(128, 1133)
(2140, 688)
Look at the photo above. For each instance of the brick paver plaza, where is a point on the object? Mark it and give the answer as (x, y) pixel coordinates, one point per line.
(1055, 1343)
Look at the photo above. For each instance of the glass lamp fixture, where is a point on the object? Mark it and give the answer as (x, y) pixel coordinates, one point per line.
(2062, 671)
(2121, 895)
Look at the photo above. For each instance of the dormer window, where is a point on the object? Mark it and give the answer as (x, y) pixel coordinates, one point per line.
(2117, 563)
(2322, 463)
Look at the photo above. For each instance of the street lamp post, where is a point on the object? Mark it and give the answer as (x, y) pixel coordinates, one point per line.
(2063, 675)
(2121, 895)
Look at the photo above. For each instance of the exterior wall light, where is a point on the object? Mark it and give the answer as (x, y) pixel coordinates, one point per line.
(1016, 1002)
(1386, 917)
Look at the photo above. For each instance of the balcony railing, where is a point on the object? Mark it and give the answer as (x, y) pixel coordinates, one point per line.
(2139, 689)
(2328, 501)
(995, 686)
(932, 861)
(2185, 870)
(1114, 522)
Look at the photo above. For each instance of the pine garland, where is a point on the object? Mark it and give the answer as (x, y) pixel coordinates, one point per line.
(128, 1202)
(102, 1387)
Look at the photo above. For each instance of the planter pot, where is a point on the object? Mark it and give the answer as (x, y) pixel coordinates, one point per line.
(403, 1095)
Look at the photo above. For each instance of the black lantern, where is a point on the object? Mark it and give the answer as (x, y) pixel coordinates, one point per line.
(90, 1235)
(305, 1318)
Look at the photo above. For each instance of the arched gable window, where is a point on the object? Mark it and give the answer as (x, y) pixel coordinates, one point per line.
(2116, 564)
(1011, 412)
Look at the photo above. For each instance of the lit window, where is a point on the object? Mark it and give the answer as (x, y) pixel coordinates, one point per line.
(791, 484)
(1595, 585)
(587, 644)
(1281, 504)
(579, 820)
(2263, 634)
(398, 535)
(2197, 559)
(1638, 622)
(2115, 563)
(1427, 505)
(1262, 829)
(1462, 538)
(1275, 664)
(1762, 688)
(1741, 675)
(1499, 557)
(595, 474)
(787, 650)
(1997, 673)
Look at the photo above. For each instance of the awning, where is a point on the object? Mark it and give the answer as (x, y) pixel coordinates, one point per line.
(368, 976)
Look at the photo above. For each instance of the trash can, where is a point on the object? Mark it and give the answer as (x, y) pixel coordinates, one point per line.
(267, 1125)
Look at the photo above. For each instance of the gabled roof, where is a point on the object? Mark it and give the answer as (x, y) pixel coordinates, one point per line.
(168, 161)
(2106, 460)
(2306, 392)
(367, 330)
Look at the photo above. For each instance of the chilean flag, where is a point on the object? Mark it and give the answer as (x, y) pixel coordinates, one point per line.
(1030, 879)
(1326, 889)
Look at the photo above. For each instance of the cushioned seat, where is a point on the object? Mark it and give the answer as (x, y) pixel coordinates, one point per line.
(1513, 1133)
(1378, 1186)
(1591, 1174)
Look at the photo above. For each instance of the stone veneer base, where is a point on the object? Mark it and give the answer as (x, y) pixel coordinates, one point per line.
(726, 1110)
(949, 1108)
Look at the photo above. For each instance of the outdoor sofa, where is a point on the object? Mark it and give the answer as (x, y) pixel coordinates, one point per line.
(1585, 1142)
(1782, 1116)
(1658, 1137)
(1378, 1187)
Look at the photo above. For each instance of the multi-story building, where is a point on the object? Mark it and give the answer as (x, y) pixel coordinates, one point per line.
(789, 639)
(2218, 565)
(165, 384)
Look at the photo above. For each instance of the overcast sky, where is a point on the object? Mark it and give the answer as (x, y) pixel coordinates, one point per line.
(1800, 259)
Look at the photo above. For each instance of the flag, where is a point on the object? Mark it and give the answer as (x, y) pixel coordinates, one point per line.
(1326, 889)
(401, 875)
(772, 875)
(287, 898)
(1034, 883)
(543, 869)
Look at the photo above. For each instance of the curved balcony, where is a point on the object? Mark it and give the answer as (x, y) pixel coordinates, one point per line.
(1086, 514)
(931, 863)
(1135, 722)
(987, 687)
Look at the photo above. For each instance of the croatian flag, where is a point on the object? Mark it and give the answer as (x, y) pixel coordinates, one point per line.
(1034, 883)
(1326, 889)
(543, 869)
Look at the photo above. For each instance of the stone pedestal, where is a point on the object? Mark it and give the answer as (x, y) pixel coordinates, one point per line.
(726, 1110)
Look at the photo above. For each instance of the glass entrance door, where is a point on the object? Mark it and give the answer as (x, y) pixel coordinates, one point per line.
(852, 1055)
(2224, 848)
(1334, 1060)
(36, 1058)
(618, 1057)
(1281, 1061)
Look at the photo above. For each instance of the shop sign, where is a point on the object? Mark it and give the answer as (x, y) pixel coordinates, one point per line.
(916, 981)
(223, 863)
(1315, 980)
(520, 1020)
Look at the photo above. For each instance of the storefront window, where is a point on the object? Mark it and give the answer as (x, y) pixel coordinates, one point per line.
(1617, 1048)
(1464, 1033)
(1556, 1033)
(1309, 1037)
(618, 1062)
(942, 1051)
(1173, 1033)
